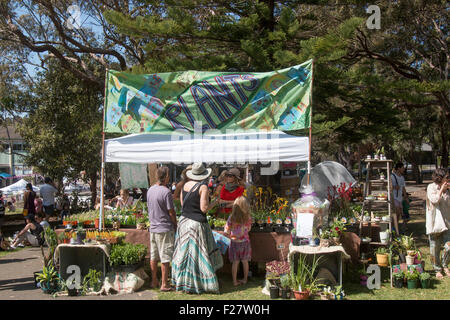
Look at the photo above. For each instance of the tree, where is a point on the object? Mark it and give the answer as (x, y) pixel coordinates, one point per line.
(64, 130)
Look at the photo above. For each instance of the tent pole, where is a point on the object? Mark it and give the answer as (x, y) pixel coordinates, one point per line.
(310, 122)
(101, 225)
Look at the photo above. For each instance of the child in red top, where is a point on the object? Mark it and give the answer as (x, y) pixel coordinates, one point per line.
(237, 227)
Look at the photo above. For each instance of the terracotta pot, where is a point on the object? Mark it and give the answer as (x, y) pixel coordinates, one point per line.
(96, 223)
(301, 295)
(382, 260)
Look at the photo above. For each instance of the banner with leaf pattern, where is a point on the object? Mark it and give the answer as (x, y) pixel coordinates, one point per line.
(164, 102)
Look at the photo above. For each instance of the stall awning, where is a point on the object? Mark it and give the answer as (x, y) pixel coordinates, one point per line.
(248, 147)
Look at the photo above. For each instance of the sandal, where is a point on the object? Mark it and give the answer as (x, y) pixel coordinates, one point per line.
(447, 272)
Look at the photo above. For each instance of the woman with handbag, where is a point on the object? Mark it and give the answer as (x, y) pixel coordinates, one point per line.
(438, 221)
(28, 201)
(196, 256)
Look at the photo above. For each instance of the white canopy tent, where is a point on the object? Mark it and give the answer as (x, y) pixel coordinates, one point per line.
(250, 147)
(17, 187)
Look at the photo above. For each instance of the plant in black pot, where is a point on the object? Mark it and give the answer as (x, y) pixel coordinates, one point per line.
(399, 278)
(127, 257)
(81, 234)
(285, 289)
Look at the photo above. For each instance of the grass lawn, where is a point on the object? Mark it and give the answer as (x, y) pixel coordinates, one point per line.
(440, 289)
(4, 253)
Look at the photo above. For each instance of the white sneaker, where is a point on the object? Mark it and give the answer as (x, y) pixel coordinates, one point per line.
(21, 245)
(13, 247)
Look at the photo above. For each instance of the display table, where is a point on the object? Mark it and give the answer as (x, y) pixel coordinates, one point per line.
(134, 236)
(333, 257)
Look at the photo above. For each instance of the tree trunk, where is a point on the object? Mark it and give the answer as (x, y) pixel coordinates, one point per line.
(444, 145)
(93, 187)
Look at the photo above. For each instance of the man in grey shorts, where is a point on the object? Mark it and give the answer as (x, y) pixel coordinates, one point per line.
(163, 223)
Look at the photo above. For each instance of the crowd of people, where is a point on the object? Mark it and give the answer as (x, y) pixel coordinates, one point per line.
(186, 247)
(188, 244)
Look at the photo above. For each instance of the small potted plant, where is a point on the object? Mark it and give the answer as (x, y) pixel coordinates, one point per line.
(274, 292)
(285, 290)
(61, 237)
(325, 239)
(399, 278)
(326, 294)
(338, 293)
(81, 234)
(425, 278)
(382, 255)
(48, 279)
(412, 277)
(141, 223)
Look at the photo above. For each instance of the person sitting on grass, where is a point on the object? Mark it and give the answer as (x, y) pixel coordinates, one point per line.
(11, 206)
(31, 233)
(238, 225)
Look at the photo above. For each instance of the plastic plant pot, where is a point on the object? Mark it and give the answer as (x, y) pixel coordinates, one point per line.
(274, 292)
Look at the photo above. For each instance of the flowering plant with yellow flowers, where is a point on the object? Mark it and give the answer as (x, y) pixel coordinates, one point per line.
(268, 207)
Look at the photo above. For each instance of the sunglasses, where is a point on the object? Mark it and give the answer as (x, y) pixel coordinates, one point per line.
(229, 175)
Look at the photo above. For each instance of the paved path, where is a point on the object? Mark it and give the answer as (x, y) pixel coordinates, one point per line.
(16, 280)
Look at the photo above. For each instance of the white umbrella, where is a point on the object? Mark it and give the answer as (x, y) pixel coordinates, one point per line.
(328, 174)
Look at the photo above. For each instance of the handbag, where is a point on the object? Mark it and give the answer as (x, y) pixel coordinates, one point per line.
(435, 222)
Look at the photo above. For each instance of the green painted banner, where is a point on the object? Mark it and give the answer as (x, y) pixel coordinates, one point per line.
(164, 102)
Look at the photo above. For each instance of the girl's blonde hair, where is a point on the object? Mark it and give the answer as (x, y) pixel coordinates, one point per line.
(240, 213)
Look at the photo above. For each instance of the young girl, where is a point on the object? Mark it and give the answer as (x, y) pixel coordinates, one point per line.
(238, 225)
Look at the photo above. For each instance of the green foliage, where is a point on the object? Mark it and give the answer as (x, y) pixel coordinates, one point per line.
(64, 131)
(412, 275)
(425, 276)
(304, 278)
(382, 250)
(92, 281)
(127, 254)
(48, 275)
(398, 275)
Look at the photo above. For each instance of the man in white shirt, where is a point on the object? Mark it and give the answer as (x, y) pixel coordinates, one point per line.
(399, 191)
(48, 192)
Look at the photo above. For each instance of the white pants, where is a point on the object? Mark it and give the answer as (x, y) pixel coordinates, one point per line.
(30, 238)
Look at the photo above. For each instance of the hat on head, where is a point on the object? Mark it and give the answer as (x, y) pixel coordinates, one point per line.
(198, 172)
(235, 172)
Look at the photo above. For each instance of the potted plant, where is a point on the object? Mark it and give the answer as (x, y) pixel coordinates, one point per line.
(141, 223)
(61, 237)
(302, 281)
(274, 292)
(325, 239)
(93, 281)
(412, 277)
(425, 278)
(407, 243)
(338, 293)
(399, 278)
(285, 290)
(336, 230)
(81, 234)
(326, 294)
(382, 255)
(127, 257)
(384, 237)
(48, 279)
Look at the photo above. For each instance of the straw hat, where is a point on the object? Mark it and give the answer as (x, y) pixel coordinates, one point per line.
(198, 172)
